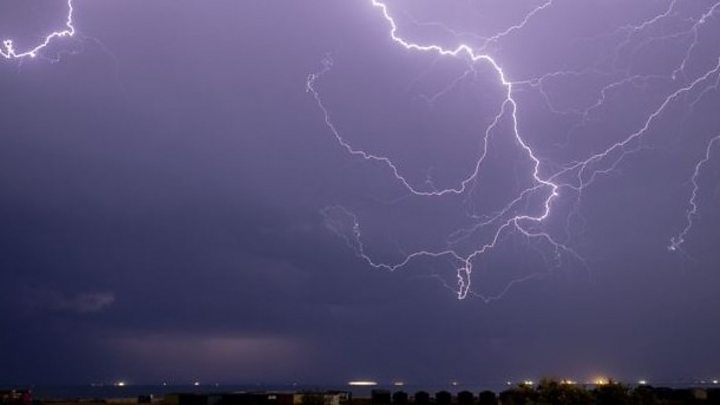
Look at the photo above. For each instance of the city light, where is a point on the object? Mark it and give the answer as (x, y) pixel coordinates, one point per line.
(362, 383)
(601, 381)
(642, 382)
(120, 384)
(398, 383)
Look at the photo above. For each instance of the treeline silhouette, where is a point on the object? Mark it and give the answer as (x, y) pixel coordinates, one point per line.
(551, 392)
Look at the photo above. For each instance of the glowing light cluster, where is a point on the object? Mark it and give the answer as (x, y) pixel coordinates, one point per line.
(601, 381)
(8, 50)
(569, 179)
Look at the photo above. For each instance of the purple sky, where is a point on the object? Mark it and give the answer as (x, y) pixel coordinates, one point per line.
(174, 206)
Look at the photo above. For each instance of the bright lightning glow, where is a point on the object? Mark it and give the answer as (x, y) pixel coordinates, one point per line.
(571, 178)
(8, 50)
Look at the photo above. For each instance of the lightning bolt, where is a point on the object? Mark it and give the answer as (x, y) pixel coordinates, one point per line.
(508, 106)
(8, 51)
(677, 241)
(574, 176)
(548, 179)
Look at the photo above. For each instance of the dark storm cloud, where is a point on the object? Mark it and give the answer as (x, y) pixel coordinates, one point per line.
(161, 198)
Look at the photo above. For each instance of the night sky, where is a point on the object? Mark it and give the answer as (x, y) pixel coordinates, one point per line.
(175, 207)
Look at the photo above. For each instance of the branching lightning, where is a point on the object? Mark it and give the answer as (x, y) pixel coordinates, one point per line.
(548, 182)
(677, 240)
(8, 51)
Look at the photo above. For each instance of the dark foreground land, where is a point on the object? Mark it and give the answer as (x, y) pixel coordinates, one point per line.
(547, 392)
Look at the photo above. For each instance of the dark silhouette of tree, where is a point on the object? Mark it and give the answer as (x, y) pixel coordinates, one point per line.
(644, 395)
(551, 392)
(465, 398)
(713, 395)
(520, 395)
(422, 398)
(611, 394)
(443, 398)
(400, 397)
(380, 397)
(487, 398)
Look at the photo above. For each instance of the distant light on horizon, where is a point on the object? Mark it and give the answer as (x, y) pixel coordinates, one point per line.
(715, 381)
(120, 384)
(196, 383)
(601, 381)
(362, 383)
(642, 382)
(398, 383)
